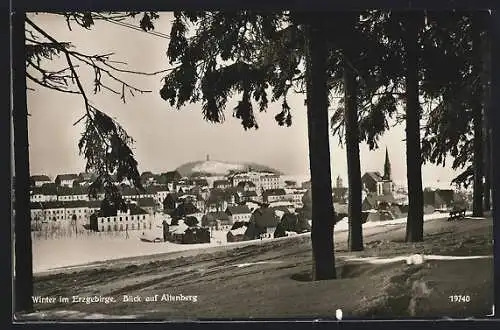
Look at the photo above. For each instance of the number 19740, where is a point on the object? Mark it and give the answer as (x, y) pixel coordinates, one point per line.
(459, 298)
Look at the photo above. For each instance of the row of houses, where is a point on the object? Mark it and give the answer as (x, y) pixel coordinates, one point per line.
(50, 192)
(85, 179)
(245, 224)
(63, 210)
(260, 181)
(244, 191)
(76, 210)
(63, 180)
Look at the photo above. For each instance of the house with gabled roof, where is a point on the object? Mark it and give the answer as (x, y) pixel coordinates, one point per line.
(135, 218)
(221, 184)
(246, 186)
(238, 213)
(373, 201)
(263, 222)
(39, 180)
(249, 196)
(46, 193)
(291, 222)
(185, 210)
(238, 232)
(274, 195)
(66, 179)
(215, 219)
(148, 204)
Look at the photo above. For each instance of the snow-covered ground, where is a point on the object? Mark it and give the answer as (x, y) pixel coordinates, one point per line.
(97, 247)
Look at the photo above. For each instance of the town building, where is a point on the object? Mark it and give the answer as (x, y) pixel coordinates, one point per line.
(295, 196)
(263, 223)
(378, 184)
(238, 213)
(291, 222)
(147, 204)
(261, 180)
(46, 193)
(134, 218)
(246, 186)
(238, 232)
(66, 179)
(249, 196)
(221, 184)
(39, 180)
(215, 219)
(274, 195)
(75, 193)
(59, 211)
(184, 210)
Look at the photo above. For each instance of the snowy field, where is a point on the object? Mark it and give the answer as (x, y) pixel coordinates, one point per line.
(97, 247)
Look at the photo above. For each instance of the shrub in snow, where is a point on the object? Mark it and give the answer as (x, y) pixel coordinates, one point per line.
(416, 259)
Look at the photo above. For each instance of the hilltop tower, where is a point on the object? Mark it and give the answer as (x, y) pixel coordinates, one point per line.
(208, 157)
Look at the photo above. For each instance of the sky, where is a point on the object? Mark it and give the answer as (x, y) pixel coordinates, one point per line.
(166, 137)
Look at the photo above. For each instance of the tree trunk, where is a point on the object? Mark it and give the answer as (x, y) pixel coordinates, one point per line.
(477, 121)
(355, 238)
(485, 78)
(319, 153)
(494, 118)
(415, 222)
(23, 278)
(487, 170)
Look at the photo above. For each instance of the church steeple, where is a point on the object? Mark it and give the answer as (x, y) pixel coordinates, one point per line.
(339, 182)
(387, 166)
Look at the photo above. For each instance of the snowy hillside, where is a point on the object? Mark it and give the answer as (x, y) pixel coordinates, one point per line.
(216, 167)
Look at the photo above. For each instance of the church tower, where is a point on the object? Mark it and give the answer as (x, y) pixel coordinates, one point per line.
(388, 186)
(387, 167)
(208, 157)
(339, 182)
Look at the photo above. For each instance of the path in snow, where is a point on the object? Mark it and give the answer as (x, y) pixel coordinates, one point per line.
(376, 260)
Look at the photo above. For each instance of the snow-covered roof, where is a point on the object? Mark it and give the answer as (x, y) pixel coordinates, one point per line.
(280, 203)
(239, 231)
(181, 228)
(438, 185)
(279, 213)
